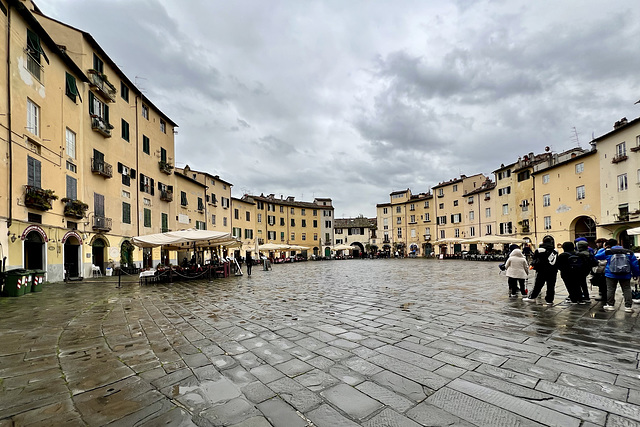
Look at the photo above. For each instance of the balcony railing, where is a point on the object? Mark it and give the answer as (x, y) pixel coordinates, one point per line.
(166, 196)
(386, 241)
(101, 126)
(101, 168)
(165, 167)
(487, 198)
(619, 158)
(38, 198)
(101, 223)
(99, 81)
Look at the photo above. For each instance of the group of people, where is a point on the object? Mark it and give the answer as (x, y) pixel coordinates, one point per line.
(608, 265)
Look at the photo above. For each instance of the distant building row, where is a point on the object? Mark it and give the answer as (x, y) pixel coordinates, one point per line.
(578, 193)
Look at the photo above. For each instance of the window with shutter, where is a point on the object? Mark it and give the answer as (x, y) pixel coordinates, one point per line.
(98, 205)
(33, 172)
(71, 89)
(126, 213)
(72, 188)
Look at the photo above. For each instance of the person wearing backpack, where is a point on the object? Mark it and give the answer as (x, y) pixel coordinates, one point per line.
(572, 266)
(543, 262)
(621, 266)
(517, 270)
(589, 261)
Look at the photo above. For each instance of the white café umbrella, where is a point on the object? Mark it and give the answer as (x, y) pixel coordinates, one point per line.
(342, 247)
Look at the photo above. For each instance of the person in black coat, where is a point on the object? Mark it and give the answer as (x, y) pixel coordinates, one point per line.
(543, 262)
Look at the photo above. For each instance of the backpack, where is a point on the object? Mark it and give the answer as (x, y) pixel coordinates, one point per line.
(619, 264)
(576, 263)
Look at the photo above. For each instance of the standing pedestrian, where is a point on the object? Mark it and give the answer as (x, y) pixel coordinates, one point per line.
(517, 271)
(572, 266)
(249, 264)
(583, 250)
(597, 274)
(544, 260)
(621, 266)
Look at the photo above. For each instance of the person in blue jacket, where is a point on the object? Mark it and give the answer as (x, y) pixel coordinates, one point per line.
(611, 248)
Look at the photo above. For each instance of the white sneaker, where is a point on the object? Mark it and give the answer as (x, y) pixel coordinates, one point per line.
(608, 307)
(628, 309)
(527, 299)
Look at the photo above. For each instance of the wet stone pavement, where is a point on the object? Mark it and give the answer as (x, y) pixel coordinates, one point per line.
(342, 343)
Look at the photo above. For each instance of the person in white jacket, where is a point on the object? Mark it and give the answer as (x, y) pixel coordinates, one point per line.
(517, 269)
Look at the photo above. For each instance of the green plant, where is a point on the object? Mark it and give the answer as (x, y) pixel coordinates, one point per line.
(74, 208)
(39, 198)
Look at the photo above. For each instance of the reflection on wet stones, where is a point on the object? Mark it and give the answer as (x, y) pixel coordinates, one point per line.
(386, 333)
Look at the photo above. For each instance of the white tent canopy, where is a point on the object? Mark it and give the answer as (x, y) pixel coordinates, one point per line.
(182, 238)
(342, 247)
(633, 231)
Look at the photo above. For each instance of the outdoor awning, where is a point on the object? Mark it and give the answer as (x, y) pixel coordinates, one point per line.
(178, 239)
(633, 231)
(342, 248)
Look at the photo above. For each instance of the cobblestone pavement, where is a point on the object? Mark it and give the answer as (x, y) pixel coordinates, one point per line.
(343, 343)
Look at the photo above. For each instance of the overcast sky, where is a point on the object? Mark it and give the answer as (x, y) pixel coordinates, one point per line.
(355, 99)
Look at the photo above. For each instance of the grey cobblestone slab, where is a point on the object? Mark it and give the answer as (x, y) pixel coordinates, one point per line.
(593, 386)
(346, 375)
(488, 358)
(266, 373)
(535, 349)
(577, 370)
(390, 418)
(428, 415)
(401, 385)
(420, 348)
(508, 375)
(514, 404)
(504, 386)
(231, 412)
(239, 376)
(326, 416)
(419, 375)
(295, 394)
(281, 414)
(616, 421)
(293, 367)
(593, 400)
(476, 411)
(385, 396)
(333, 353)
(362, 366)
(351, 401)
(458, 361)
(419, 360)
(532, 370)
(272, 355)
(493, 349)
(317, 380)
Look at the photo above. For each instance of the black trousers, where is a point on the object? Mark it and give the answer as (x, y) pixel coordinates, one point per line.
(573, 284)
(543, 277)
(513, 285)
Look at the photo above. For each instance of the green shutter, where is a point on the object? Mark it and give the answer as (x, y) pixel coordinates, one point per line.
(71, 87)
(33, 44)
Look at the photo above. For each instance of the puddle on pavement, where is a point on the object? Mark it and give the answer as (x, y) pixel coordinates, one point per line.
(206, 393)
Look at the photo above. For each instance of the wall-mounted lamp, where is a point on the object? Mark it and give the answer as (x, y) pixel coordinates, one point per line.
(13, 238)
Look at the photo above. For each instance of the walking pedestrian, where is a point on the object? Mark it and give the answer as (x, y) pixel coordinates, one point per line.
(621, 266)
(572, 266)
(544, 260)
(597, 274)
(517, 269)
(249, 264)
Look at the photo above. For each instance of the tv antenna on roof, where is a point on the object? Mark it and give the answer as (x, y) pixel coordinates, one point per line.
(575, 138)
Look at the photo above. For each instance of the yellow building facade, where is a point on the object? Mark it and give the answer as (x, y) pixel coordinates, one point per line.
(89, 155)
(567, 196)
(619, 162)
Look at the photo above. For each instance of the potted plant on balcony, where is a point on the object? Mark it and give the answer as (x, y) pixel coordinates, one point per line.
(38, 198)
(74, 208)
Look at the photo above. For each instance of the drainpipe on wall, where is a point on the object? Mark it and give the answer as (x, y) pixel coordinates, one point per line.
(138, 169)
(535, 217)
(10, 132)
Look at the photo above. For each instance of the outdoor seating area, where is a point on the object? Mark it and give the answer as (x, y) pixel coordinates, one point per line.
(178, 273)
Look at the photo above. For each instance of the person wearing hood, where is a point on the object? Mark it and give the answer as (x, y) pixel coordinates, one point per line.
(517, 269)
(621, 266)
(572, 266)
(544, 260)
